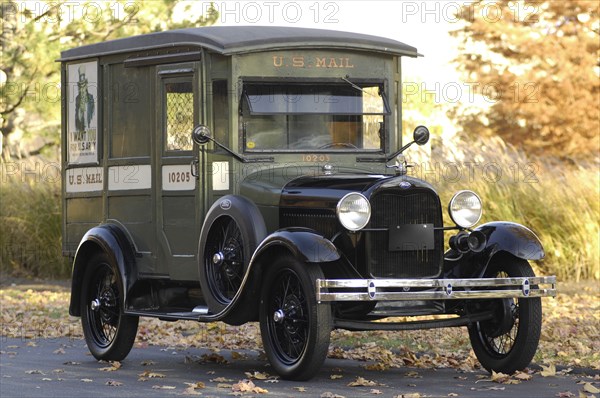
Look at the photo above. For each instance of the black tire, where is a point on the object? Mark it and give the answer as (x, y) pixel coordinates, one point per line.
(503, 347)
(109, 333)
(232, 230)
(295, 329)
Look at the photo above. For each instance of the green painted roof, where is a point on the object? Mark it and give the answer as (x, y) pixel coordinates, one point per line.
(230, 40)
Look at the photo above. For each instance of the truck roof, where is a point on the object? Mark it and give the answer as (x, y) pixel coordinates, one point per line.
(229, 40)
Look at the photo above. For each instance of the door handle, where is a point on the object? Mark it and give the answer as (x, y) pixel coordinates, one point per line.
(194, 168)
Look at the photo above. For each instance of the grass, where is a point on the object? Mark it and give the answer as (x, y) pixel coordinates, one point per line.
(30, 215)
(559, 201)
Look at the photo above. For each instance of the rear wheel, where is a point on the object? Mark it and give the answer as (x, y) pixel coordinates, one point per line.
(109, 333)
(295, 329)
(508, 342)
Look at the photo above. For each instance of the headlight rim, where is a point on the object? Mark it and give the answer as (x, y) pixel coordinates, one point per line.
(452, 201)
(337, 211)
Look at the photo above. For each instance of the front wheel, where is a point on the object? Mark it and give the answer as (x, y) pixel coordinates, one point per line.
(295, 329)
(509, 341)
(109, 333)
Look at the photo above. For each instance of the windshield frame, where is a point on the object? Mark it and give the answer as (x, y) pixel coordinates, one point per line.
(342, 80)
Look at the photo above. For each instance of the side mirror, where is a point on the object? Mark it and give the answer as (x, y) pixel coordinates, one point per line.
(201, 134)
(421, 135)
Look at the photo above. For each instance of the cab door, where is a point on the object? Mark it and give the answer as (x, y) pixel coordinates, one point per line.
(179, 188)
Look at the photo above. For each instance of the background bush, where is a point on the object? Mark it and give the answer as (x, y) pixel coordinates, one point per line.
(30, 215)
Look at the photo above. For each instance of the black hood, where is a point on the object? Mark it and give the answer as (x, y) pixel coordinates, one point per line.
(310, 187)
(269, 186)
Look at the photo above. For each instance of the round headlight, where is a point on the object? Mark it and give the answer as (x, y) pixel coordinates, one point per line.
(354, 211)
(465, 208)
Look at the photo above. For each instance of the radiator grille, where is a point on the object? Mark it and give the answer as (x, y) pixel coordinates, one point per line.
(392, 208)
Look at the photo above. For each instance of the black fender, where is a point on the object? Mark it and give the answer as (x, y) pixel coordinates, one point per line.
(305, 244)
(501, 236)
(114, 241)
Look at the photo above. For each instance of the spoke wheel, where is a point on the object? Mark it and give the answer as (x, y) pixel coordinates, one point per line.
(295, 329)
(224, 259)
(109, 333)
(508, 342)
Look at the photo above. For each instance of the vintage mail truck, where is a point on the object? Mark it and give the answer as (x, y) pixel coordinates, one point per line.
(244, 174)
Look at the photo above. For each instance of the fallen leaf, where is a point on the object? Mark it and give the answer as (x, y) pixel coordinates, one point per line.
(334, 377)
(548, 371)
(71, 363)
(375, 391)
(257, 375)
(216, 358)
(248, 386)
(115, 365)
(224, 385)
(221, 380)
(46, 379)
(522, 376)
(452, 394)
(87, 380)
(163, 387)
(565, 394)
(243, 386)
(300, 389)
(148, 363)
(238, 356)
(409, 395)
(152, 375)
(331, 395)
(588, 387)
(113, 383)
(362, 382)
(35, 372)
(380, 366)
(59, 351)
(197, 385)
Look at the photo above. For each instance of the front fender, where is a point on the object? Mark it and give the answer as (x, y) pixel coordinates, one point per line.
(305, 244)
(501, 236)
(514, 238)
(108, 238)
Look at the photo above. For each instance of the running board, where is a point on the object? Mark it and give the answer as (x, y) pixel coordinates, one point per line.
(195, 315)
(411, 325)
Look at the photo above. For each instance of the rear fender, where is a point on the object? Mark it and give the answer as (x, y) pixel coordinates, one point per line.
(112, 240)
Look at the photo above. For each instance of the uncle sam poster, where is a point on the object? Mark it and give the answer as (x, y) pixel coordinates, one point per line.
(82, 113)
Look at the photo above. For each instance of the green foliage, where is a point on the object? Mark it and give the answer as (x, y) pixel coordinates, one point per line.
(33, 35)
(536, 63)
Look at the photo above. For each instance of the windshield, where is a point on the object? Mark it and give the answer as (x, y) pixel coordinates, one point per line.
(315, 116)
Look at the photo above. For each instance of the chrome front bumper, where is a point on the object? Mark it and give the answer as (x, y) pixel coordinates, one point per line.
(437, 289)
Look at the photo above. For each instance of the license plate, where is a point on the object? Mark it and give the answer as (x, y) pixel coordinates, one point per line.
(411, 237)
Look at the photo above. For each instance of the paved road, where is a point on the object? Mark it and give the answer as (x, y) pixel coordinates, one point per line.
(64, 368)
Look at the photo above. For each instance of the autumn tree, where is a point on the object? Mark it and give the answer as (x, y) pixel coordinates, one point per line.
(537, 65)
(31, 38)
